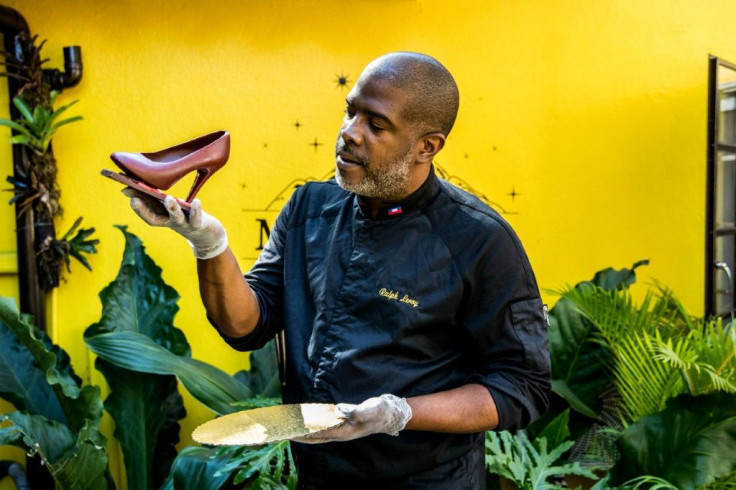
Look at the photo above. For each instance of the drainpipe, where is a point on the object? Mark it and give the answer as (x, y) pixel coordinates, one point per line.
(16, 36)
(72, 73)
(16, 472)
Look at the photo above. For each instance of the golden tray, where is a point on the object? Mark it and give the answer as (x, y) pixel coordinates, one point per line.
(268, 424)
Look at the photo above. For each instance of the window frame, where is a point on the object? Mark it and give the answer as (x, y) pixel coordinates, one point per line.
(715, 146)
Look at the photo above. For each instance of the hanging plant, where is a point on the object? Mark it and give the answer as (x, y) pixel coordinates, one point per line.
(37, 126)
(34, 130)
(35, 188)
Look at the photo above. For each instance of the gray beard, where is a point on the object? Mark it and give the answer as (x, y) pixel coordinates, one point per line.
(389, 183)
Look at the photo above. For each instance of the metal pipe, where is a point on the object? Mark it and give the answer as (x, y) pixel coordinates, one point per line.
(11, 22)
(72, 73)
(16, 472)
(16, 35)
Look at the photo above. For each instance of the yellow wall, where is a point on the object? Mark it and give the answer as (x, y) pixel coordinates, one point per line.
(594, 113)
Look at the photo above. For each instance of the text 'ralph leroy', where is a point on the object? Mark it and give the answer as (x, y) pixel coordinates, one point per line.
(395, 296)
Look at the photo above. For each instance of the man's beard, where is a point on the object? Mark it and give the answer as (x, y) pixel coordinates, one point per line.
(388, 183)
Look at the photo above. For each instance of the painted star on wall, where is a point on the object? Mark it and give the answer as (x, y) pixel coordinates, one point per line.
(342, 81)
(513, 194)
(316, 144)
(298, 125)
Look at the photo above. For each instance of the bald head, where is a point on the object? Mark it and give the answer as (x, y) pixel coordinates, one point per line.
(433, 94)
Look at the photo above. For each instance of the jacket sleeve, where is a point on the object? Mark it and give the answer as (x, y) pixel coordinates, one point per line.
(266, 280)
(507, 323)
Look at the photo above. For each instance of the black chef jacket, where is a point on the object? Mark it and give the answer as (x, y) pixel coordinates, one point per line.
(434, 293)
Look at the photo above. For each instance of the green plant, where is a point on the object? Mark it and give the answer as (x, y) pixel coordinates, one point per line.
(690, 444)
(57, 418)
(74, 247)
(146, 407)
(269, 467)
(39, 123)
(141, 354)
(137, 344)
(36, 192)
(530, 464)
(27, 70)
(617, 364)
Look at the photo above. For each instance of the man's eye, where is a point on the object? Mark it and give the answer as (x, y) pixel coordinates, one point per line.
(350, 113)
(376, 128)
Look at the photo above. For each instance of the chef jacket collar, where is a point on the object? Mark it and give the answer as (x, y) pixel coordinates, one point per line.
(418, 200)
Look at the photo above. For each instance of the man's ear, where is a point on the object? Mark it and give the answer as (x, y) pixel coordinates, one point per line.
(429, 146)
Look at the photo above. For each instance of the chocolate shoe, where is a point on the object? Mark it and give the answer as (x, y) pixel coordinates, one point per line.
(162, 169)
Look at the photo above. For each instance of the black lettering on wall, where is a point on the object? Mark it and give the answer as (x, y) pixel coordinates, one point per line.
(263, 230)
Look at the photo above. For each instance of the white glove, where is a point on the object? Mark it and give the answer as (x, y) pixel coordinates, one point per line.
(205, 233)
(386, 414)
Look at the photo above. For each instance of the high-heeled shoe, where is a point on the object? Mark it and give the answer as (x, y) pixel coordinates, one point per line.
(164, 168)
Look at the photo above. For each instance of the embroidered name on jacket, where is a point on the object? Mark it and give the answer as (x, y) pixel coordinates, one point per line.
(396, 296)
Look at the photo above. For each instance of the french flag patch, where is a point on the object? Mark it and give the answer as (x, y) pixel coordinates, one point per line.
(395, 211)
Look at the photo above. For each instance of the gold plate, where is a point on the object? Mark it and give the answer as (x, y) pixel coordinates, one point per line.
(268, 424)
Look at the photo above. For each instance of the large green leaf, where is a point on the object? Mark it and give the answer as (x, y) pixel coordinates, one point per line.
(140, 301)
(195, 468)
(690, 443)
(78, 403)
(610, 279)
(557, 431)
(21, 381)
(145, 407)
(208, 384)
(263, 377)
(85, 467)
(28, 430)
(578, 362)
(75, 461)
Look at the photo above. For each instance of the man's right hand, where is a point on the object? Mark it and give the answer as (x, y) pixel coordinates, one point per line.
(205, 233)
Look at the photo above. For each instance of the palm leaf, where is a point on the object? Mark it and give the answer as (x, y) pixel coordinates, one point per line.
(643, 382)
(705, 357)
(211, 386)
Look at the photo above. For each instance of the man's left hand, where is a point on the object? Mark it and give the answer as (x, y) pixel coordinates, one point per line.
(385, 414)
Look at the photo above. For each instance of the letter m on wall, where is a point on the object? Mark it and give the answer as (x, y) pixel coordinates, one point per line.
(263, 230)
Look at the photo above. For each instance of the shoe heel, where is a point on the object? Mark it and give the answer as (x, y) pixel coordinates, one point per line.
(202, 175)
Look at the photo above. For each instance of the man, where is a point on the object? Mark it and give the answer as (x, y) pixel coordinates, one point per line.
(406, 300)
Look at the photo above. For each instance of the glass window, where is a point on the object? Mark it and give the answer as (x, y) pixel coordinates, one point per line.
(724, 188)
(721, 193)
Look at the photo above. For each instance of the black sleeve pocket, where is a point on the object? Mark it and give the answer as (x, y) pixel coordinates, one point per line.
(531, 328)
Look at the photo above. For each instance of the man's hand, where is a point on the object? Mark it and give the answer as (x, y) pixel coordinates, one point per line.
(205, 234)
(386, 414)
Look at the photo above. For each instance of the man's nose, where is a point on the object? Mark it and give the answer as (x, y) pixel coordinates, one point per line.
(351, 132)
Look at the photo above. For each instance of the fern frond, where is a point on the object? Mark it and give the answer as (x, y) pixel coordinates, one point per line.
(705, 357)
(643, 382)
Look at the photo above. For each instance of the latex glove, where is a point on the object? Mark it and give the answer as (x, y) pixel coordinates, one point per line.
(205, 233)
(385, 414)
